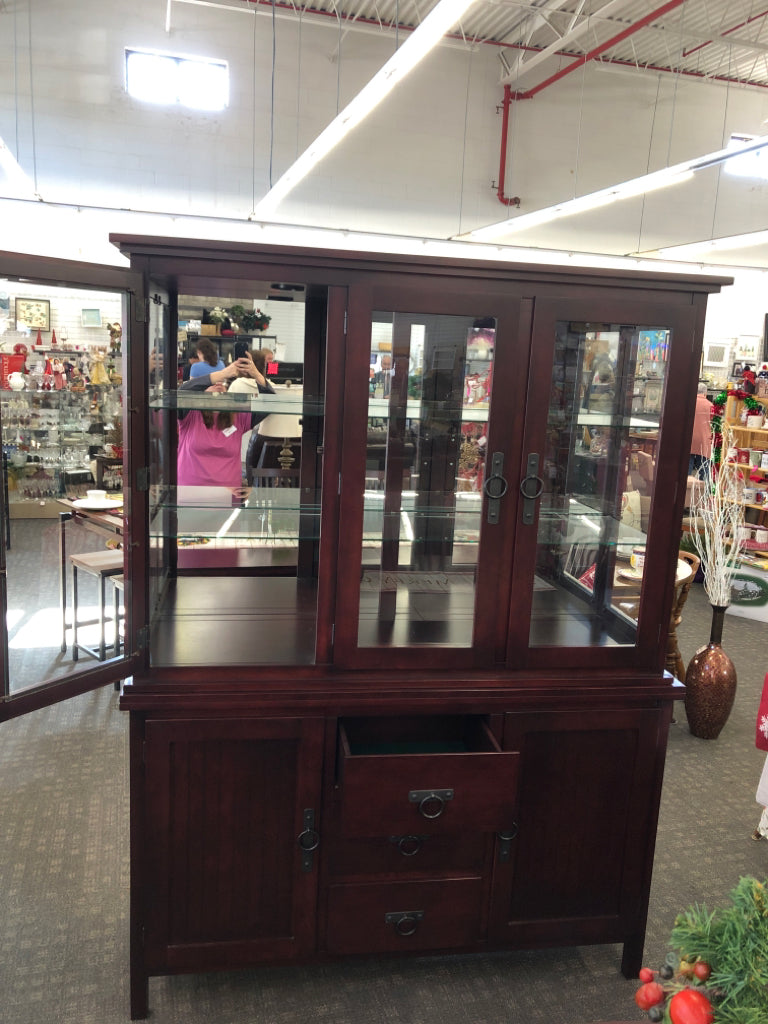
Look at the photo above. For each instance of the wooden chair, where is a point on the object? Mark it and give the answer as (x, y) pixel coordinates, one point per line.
(674, 661)
(275, 478)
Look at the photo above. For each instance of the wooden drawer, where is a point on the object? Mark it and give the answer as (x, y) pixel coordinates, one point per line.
(400, 917)
(432, 775)
(413, 854)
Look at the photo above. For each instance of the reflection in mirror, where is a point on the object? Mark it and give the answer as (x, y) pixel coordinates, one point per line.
(598, 469)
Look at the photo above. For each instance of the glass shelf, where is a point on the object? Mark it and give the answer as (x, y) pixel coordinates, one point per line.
(378, 408)
(602, 419)
(291, 402)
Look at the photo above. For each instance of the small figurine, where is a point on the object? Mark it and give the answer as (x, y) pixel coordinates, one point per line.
(99, 377)
(115, 336)
(59, 377)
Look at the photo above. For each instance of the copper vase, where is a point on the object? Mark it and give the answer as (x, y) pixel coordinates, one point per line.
(710, 684)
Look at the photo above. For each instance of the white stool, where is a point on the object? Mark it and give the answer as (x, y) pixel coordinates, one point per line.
(103, 565)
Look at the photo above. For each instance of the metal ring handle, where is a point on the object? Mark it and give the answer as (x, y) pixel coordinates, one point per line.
(504, 486)
(431, 798)
(537, 492)
(309, 840)
(409, 846)
(406, 925)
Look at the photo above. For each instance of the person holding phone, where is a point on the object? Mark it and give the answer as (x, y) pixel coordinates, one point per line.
(210, 442)
(208, 356)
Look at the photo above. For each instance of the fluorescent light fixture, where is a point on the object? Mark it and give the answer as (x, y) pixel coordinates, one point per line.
(716, 244)
(664, 178)
(22, 185)
(440, 19)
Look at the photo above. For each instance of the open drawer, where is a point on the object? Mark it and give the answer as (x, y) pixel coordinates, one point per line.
(425, 775)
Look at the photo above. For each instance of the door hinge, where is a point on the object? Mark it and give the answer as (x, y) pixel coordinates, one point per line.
(345, 322)
(142, 311)
(142, 638)
(142, 478)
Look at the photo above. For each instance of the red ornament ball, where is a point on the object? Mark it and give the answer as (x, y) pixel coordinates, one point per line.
(690, 1006)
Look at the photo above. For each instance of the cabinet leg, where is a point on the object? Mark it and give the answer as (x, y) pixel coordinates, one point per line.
(632, 956)
(139, 995)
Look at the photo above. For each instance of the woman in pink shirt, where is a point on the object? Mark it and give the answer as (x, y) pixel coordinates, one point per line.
(210, 443)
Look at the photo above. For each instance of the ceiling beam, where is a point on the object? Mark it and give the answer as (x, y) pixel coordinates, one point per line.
(630, 30)
(523, 66)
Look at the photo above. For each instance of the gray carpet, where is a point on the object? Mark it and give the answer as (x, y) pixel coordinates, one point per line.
(64, 892)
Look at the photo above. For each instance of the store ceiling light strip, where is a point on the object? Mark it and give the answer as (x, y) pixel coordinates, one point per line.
(744, 241)
(440, 19)
(664, 178)
(21, 183)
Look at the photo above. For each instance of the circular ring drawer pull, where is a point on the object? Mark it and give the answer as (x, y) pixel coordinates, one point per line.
(309, 840)
(405, 922)
(409, 846)
(430, 802)
(431, 806)
(499, 490)
(538, 487)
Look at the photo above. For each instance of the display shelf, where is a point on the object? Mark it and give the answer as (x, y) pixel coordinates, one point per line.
(605, 419)
(49, 437)
(288, 401)
(379, 408)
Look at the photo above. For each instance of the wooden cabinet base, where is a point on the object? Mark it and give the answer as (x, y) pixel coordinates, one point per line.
(275, 840)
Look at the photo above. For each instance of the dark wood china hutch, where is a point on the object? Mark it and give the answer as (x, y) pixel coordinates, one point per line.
(405, 694)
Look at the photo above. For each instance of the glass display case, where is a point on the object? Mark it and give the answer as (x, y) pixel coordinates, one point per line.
(416, 618)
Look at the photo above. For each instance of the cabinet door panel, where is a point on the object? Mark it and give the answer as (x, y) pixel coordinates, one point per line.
(432, 382)
(605, 448)
(226, 802)
(588, 787)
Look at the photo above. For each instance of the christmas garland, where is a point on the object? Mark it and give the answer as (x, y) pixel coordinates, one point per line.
(719, 970)
(718, 404)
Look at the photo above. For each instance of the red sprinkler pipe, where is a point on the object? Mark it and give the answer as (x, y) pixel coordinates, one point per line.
(504, 199)
(624, 34)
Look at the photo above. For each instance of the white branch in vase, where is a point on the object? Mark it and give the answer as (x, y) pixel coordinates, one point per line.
(717, 515)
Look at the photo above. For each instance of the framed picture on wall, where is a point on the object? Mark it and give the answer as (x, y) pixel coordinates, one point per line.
(748, 348)
(34, 313)
(90, 317)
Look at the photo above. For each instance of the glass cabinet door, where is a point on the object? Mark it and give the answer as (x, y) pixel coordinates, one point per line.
(426, 495)
(591, 473)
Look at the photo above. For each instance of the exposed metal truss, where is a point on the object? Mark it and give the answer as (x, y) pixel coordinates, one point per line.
(711, 40)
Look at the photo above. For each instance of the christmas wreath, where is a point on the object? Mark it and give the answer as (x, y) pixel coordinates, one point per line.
(718, 973)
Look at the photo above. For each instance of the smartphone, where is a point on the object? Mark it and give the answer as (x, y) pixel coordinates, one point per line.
(241, 349)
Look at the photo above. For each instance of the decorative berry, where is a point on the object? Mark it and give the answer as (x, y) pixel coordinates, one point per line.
(645, 975)
(702, 970)
(667, 972)
(649, 995)
(656, 1013)
(690, 1006)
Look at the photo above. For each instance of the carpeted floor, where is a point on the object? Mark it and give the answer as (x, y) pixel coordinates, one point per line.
(64, 891)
